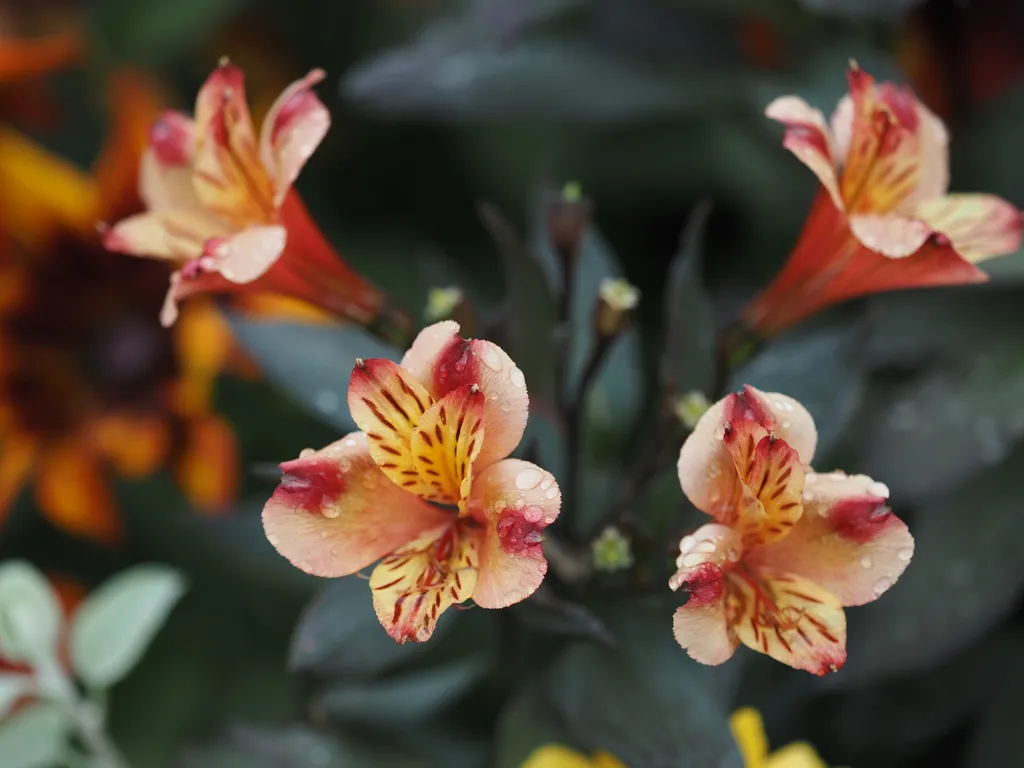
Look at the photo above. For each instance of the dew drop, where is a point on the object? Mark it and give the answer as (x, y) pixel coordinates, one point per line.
(881, 586)
(345, 463)
(905, 554)
(786, 424)
(687, 543)
(491, 358)
(547, 482)
(305, 453)
(533, 514)
(552, 493)
(528, 478)
(733, 554)
(516, 377)
(692, 559)
(330, 511)
(866, 561)
(810, 477)
(706, 545)
(350, 442)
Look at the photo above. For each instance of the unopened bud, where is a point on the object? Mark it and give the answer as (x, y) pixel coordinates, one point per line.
(616, 300)
(568, 216)
(611, 551)
(690, 407)
(442, 303)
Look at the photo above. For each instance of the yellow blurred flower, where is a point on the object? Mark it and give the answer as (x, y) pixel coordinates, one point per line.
(90, 384)
(748, 730)
(557, 756)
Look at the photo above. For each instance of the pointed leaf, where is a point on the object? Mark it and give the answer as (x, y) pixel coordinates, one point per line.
(117, 622)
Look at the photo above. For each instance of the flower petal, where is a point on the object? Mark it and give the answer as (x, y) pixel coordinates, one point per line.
(848, 541)
(292, 130)
(789, 618)
(387, 403)
(556, 756)
(748, 730)
(165, 170)
(134, 444)
(980, 226)
(706, 470)
(772, 489)
(712, 544)
(208, 469)
(807, 137)
(796, 755)
(445, 444)
(73, 494)
(893, 236)
(444, 361)
(178, 235)
(335, 512)
(702, 629)
(516, 500)
(414, 585)
(229, 179)
(248, 255)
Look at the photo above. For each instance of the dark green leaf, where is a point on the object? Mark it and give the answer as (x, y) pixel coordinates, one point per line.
(688, 360)
(862, 10)
(400, 700)
(312, 363)
(998, 738)
(552, 615)
(966, 575)
(649, 703)
(339, 634)
(962, 411)
(820, 367)
(295, 746)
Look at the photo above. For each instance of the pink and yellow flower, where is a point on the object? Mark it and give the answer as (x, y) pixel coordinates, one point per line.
(221, 203)
(788, 549)
(425, 487)
(882, 220)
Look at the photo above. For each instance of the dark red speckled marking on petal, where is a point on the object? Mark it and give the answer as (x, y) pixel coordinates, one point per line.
(518, 535)
(309, 484)
(455, 367)
(747, 406)
(860, 519)
(705, 585)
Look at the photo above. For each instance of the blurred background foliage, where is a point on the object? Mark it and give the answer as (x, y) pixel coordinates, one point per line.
(450, 120)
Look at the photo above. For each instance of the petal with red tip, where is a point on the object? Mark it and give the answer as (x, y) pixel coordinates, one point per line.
(701, 626)
(387, 403)
(712, 544)
(165, 170)
(444, 361)
(787, 617)
(807, 137)
(229, 178)
(446, 443)
(848, 541)
(980, 226)
(248, 255)
(415, 584)
(166, 234)
(516, 500)
(292, 130)
(707, 473)
(335, 513)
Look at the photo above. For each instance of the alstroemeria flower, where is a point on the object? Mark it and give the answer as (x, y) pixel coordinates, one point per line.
(882, 220)
(425, 487)
(222, 206)
(788, 548)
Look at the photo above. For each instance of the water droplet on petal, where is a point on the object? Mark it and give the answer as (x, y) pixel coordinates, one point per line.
(547, 482)
(516, 377)
(692, 559)
(687, 543)
(786, 424)
(305, 453)
(733, 554)
(345, 463)
(810, 477)
(905, 554)
(330, 511)
(533, 514)
(491, 358)
(552, 493)
(706, 545)
(528, 478)
(866, 561)
(350, 442)
(881, 586)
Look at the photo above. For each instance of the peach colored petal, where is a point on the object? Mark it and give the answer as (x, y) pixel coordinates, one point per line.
(707, 473)
(176, 235)
(701, 626)
(244, 257)
(980, 226)
(292, 130)
(73, 493)
(516, 500)
(208, 469)
(229, 179)
(445, 444)
(444, 361)
(807, 137)
(415, 584)
(787, 617)
(890, 235)
(848, 541)
(933, 150)
(712, 544)
(335, 513)
(387, 403)
(165, 170)
(841, 124)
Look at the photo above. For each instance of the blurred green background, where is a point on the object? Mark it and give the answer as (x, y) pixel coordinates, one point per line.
(653, 106)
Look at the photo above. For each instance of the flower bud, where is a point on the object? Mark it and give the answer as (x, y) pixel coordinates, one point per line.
(442, 303)
(612, 551)
(568, 216)
(690, 407)
(616, 300)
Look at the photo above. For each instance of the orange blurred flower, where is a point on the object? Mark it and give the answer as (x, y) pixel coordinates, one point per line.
(882, 220)
(90, 384)
(223, 209)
